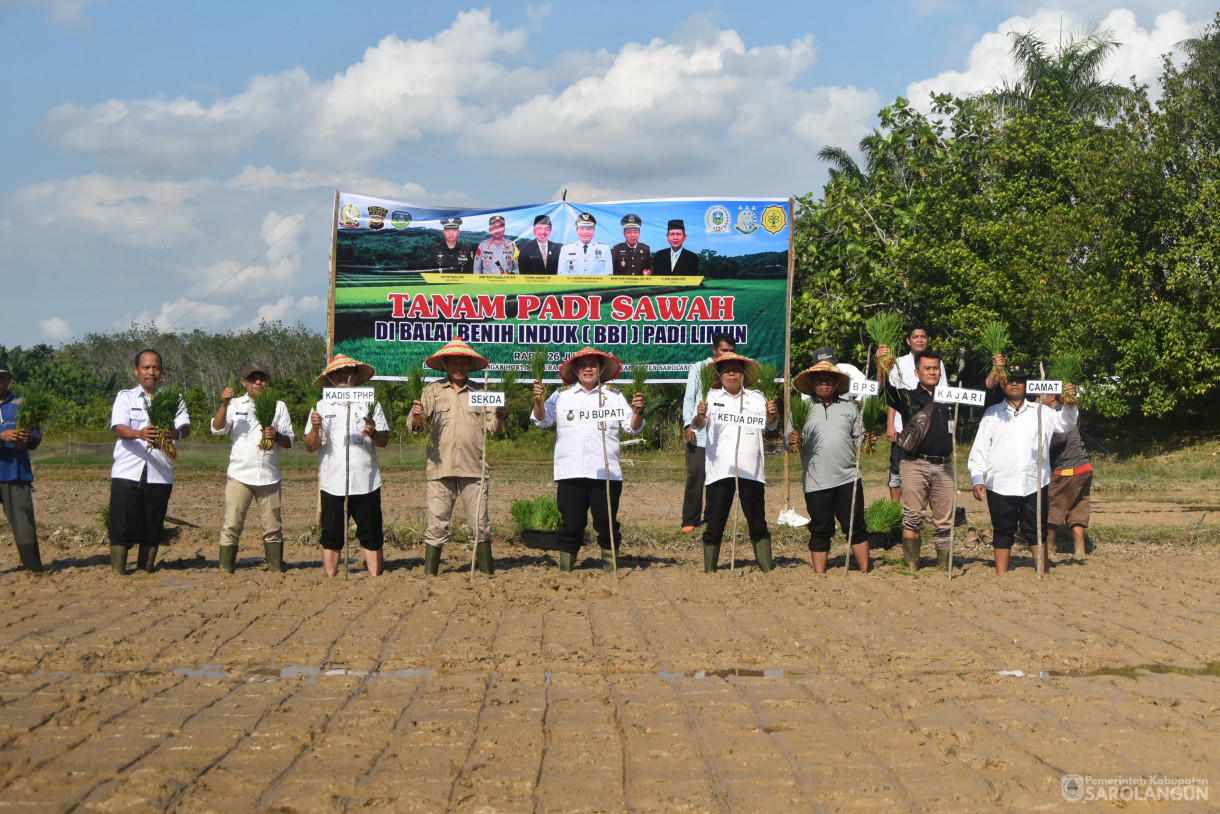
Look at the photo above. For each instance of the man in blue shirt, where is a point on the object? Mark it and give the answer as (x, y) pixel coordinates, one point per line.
(17, 476)
(696, 440)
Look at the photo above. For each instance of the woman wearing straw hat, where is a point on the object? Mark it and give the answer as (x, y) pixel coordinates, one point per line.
(346, 441)
(587, 449)
(455, 451)
(829, 444)
(735, 425)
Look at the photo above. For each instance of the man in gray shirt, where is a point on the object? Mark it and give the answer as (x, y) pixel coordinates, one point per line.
(828, 444)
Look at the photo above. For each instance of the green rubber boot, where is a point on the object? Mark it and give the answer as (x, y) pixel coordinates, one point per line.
(762, 553)
(228, 558)
(942, 560)
(711, 557)
(118, 559)
(273, 553)
(146, 558)
(608, 560)
(432, 560)
(567, 561)
(31, 560)
(910, 552)
(482, 558)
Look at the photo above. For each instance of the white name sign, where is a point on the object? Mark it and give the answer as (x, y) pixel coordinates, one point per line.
(960, 395)
(866, 387)
(486, 399)
(342, 394)
(1043, 387)
(750, 421)
(599, 414)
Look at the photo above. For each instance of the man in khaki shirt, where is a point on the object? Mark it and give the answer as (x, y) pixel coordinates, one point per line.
(455, 451)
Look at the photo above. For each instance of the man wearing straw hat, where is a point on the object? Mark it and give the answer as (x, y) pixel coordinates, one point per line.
(829, 444)
(927, 474)
(735, 427)
(693, 514)
(349, 444)
(586, 450)
(455, 452)
(254, 471)
(1004, 465)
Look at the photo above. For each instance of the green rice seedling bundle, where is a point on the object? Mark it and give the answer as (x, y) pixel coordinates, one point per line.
(799, 409)
(508, 382)
(873, 414)
(639, 379)
(766, 381)
(541, 513)
(883, 515)
(162, 409)
(264, 413)
(707, 375)
(35, 409)
(995, 340)
(1067, 367)
(538, 363)
(415, 384)
(885, 329)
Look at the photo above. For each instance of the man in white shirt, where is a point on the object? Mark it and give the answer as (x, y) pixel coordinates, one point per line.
(348, 443)
(254, 468)
(1004, 465)
(142, 477)
(585, 255)
(696, 440)
(735, 419)
(588, 417)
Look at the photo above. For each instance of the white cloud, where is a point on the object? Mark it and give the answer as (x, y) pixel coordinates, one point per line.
(668, 109)
(397, 92)
(990, 62)
(585, 192)
(143, 214)
(260, 179)
(191, 313)
(55, 329)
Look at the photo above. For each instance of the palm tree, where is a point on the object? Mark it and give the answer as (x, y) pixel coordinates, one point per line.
(1071, 71)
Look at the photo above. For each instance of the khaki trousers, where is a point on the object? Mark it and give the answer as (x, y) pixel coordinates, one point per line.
(927, 484)
(238, 497)
(442, 495)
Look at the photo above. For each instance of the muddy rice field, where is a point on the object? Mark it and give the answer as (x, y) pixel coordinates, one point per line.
(663, 689)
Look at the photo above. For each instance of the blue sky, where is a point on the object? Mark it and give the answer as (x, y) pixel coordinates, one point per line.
(176, 164)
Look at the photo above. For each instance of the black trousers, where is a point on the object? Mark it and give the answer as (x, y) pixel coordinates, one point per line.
(137, 511)
(1007, 512)
(827, 505)
(720, 502)
(366, 509)
(692, 498)
(577, 499)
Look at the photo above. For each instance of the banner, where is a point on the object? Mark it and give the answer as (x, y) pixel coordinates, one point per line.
(649, 281)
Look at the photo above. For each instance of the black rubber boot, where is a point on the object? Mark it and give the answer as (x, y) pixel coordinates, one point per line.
(762, 553)
(432, 560)
(910, 552)
(942, 560)
(567, 560)
(273, 553)
(118, 559)
(711, 557)
(482, 558)
(146, 558)
(607, 561)
(31, 560)
(228, 558)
